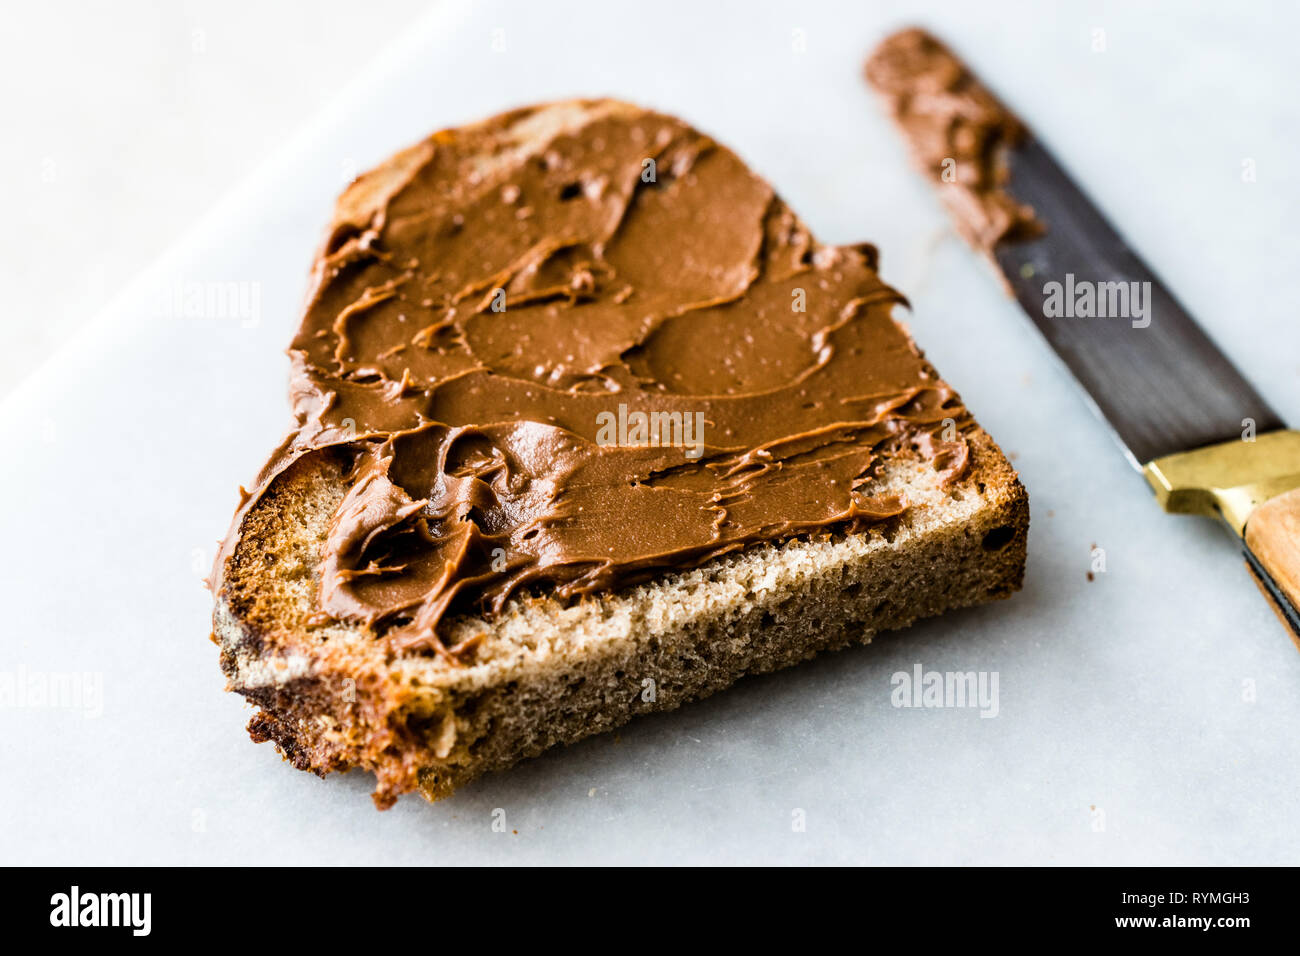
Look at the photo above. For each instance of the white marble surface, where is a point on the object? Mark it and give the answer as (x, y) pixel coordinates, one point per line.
(1122, 701)
(127, 120)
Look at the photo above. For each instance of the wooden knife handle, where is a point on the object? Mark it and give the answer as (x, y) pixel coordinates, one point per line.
(1273, 542)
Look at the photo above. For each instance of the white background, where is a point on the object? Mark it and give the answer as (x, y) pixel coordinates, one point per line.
(124, 121)
(1122, 700)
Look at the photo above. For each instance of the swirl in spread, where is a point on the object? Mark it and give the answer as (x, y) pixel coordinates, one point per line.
(579, 345)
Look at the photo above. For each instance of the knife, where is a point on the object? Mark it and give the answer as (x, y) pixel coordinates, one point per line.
(1200, 434)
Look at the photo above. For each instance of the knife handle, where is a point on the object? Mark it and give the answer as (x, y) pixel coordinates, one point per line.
(1253, 486)
(1273, 547)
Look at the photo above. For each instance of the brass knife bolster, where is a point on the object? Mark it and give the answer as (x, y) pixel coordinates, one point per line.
(1228, 480)
(1254, 486)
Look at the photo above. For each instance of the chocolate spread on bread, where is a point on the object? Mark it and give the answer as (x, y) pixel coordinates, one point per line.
(958, 133)
(580, 345)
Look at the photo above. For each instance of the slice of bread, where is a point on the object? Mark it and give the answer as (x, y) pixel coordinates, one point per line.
(543, 671)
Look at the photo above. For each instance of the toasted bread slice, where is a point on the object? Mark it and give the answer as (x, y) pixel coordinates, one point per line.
(536, 670)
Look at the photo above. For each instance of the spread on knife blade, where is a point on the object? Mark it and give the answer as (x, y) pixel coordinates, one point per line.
(958, 133)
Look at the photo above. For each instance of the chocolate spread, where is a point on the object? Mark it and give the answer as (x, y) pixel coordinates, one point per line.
(579, 345)
(958, 133)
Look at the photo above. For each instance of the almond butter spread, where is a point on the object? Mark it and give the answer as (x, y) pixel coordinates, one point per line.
(579, 345)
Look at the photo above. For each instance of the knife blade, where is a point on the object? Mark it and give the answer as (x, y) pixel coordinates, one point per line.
(1203, 437)
(1154, 375)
